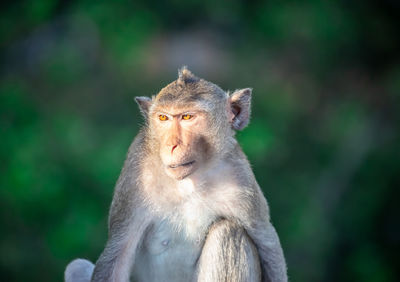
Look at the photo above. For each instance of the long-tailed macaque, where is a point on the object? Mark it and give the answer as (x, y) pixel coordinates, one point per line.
(186, 206)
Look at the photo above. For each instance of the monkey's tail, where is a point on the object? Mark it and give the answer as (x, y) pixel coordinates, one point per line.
(79, 270)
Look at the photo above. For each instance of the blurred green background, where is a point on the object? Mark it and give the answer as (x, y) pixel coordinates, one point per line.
(324, 137)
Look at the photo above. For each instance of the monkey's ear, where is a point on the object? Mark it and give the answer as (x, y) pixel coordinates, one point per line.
(240, 102)
(144, 105)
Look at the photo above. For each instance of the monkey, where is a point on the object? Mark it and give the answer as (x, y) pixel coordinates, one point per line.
(187, 206)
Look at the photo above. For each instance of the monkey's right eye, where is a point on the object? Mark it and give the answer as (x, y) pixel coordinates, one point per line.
(162, 117)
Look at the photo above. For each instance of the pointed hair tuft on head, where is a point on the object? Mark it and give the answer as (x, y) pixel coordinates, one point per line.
(186, 76)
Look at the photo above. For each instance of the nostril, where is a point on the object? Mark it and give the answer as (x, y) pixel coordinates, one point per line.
(173, 148)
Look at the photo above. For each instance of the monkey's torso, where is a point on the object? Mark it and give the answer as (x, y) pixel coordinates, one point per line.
(167, 252)
(175, 240)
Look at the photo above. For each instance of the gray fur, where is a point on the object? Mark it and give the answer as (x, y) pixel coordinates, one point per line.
(212, 225)
(228, 255)
(185, 76)
(188, 89)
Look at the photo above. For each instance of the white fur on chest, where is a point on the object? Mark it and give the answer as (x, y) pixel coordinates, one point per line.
(192, 204)
(195, 213)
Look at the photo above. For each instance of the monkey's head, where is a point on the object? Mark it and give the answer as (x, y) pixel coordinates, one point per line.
(191, 122)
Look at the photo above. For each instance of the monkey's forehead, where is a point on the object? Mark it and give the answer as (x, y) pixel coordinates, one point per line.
(191, 91)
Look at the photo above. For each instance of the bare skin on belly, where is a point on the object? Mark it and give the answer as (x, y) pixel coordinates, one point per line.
(165, 252)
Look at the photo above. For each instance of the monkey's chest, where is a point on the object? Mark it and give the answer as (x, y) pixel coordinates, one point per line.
(167, 253)
(172, 246)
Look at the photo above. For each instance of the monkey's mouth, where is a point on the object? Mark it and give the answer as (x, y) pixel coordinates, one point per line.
(182, 165)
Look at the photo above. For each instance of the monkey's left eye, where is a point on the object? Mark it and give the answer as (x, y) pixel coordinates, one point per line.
(187, 116)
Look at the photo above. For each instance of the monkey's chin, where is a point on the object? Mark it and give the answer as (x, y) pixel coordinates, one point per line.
(181, 171)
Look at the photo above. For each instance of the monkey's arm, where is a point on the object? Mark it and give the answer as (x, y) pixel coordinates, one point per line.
(263, 233)
(127, 224)
(271, 254)
(228, 255)
(115, 262)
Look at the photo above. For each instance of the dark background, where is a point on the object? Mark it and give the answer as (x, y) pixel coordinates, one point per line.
(323, 140)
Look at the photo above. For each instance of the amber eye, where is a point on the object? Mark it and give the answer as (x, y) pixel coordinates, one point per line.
(186, 117)
(162, 117)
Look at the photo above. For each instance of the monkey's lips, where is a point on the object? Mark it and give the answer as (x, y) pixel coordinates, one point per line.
(181, 170)
(181, 165)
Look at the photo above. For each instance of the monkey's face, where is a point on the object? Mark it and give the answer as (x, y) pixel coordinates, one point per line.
(192, 122)
(182, 138)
